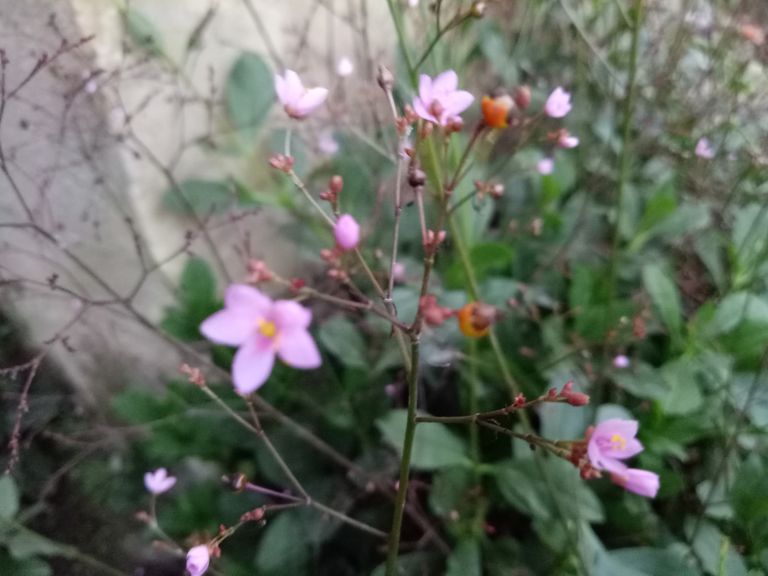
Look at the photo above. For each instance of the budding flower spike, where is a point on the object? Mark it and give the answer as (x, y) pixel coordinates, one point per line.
(558, 104)
(612, 441)
(439, 100)
(298, 102)
(198, 559)
(158, 481)
(261, 329)
(347, 232)
(704, 149)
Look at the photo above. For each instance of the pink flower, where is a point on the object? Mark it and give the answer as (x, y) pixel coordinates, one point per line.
(345, 67)
(611, 441)
(298, 101)
(261, 328)
(158, 481)
(327, 143)
(198, 559)
(347, 232)
(640, 482)
(566, 140)
(621, 361)
(545, 166)
(704, 149)
(558, 104)
(439, 101)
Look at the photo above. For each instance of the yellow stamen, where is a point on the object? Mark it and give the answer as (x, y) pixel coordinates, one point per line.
(618, 442)
(267, 328)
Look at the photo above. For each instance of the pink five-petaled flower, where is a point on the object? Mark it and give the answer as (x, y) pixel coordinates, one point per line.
(611, 441)
(545, 166)
(558, 104)
(439, 101)
(298, 101)
(640, 482)
(198, 559)
(158, 481)
(346, 232)
(704, 149)
(261, 328)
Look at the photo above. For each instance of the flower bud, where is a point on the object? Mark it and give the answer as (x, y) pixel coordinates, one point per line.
(478, 9)
(281, 162)
(385, 78)
(416, 178)
(336, 183)
(522, 97)
(198, 559)
(347, 232)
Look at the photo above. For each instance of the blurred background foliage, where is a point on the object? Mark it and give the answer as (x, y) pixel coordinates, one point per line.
(633, 246)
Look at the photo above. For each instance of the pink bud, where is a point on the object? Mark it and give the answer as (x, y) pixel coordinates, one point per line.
(198, 559)
(347, 232)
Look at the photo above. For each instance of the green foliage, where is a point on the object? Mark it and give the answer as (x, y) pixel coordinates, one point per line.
(142, 32)
(249, 94)
(196, 301)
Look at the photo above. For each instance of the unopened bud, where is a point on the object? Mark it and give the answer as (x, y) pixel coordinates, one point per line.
(478, 9)
(336, 184)
(385, 78)
(578, 399)
(281, 162)
(497, 190)
(522, 97)
(416, 178)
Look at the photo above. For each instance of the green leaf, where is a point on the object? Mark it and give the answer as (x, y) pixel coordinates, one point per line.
(465, 560)
(142, 32)
(736, 308)
(547, 489)
(196, 301)
(28, 567)
(9, 498)
(283, 548)
(749, 497)
(341, 338)
(434, 446)
(249, 93)
(25, 544)
(649, 562)
(201, 197)
(684, 395)
(449, 489)
(487, 258)
(665, 297)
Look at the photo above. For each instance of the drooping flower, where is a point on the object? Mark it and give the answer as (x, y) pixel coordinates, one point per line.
(439, 100)
(347, 232)
(612, 441)
(558, 104)
(261, 328)
(704, 149)
(158, 481)
(198, 559)
(298, 101)
(639, 481)
(345, 67)
(545, 166)
(621, 361)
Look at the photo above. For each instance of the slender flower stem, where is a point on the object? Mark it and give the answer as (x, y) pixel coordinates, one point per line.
(405, 461)
(624, 159)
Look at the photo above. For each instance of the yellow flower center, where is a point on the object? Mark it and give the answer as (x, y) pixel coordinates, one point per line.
(618, 442)
(267, 328)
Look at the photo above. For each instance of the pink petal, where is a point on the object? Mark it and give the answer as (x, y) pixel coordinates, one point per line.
(421, 110)
(253, 364)
(230, 327)
(298, 349)
(625, 428)
(294, 89)
(247, 299)
(281, 89)
(456, 102)
(425, 89)
(287, 315)
(444, 83)
(311, 99)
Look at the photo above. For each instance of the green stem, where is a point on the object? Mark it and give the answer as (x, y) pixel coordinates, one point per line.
(624, 159)
(405, 461)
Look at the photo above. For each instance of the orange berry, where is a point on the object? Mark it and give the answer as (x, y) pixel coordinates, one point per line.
(496, 110)
(475, 319)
